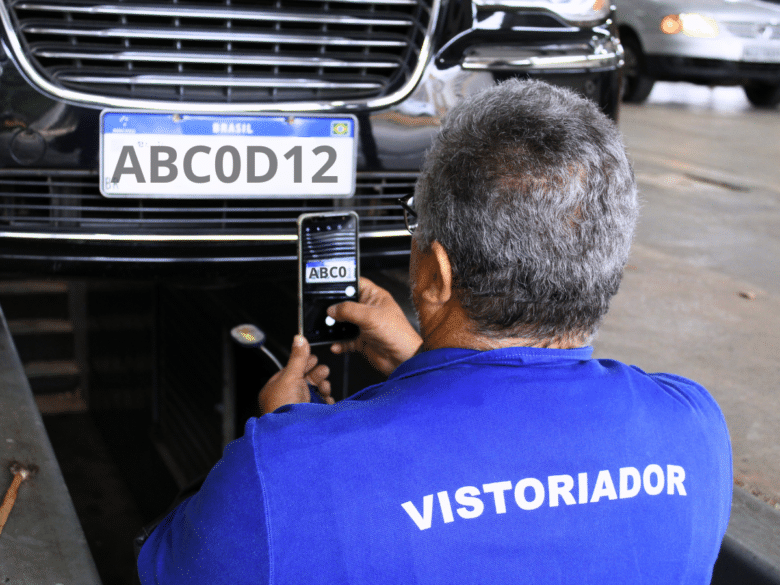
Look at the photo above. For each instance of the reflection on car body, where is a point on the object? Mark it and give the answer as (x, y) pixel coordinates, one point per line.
(710, 42)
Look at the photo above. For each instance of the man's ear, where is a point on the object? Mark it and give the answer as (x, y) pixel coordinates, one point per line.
(434, 275)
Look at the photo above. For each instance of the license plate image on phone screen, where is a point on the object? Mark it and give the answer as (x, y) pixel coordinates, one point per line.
(329, 273)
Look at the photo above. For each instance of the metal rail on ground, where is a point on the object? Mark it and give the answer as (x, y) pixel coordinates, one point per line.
(42, 541)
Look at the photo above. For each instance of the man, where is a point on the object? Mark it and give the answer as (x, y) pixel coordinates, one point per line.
(497, 451)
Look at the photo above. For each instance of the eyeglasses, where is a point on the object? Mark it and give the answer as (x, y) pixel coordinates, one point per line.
(410, 215)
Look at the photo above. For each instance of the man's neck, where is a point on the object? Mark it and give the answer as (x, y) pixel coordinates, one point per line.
(451, 327)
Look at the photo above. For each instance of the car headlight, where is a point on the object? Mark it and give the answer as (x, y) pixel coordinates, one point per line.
(690, 24)
(574, 11)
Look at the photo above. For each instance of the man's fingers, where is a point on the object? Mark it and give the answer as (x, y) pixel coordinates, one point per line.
(299, 357)
(318, 375)
(367, 288)
(347, 346)
(349, 311)
(324, 388)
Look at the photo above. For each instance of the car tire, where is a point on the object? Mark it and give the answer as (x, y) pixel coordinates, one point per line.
(637, 85)
(762, 94)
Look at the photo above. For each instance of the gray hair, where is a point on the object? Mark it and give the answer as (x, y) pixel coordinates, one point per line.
(529, 190)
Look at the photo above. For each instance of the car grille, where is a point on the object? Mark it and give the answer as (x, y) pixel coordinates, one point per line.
(64, 203)
(234, 51)
(754, 30)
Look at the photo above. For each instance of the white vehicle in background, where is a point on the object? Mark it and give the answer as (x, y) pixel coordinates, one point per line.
(709, 42)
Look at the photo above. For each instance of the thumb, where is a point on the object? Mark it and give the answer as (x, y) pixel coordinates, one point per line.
(351, 312)
(299, 357)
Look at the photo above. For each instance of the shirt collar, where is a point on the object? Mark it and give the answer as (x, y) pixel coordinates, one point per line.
(516, 356)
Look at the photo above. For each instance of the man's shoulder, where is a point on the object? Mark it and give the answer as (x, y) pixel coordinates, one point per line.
(675, 403)
(295, 425)
(504, 393)
(682, 389)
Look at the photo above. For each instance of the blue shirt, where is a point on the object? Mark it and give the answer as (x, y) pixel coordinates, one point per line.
(517, 465)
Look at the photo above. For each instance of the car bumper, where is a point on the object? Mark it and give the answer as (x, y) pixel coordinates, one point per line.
(725, 59)
(726, 46)
(710, 71)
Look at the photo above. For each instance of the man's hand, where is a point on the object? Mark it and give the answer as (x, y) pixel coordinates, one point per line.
(290, 385)
(387, 339)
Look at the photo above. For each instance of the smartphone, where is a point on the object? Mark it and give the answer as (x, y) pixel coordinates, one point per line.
(328, 273)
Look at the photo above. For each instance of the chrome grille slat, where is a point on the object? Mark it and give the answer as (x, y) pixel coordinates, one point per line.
(181, 222)
(205, 81)
(232, 36)
(211, 58)
(179, 11)
(71, 203)
(216, 56)
(377, 2)
(754, 30)
(90, 209)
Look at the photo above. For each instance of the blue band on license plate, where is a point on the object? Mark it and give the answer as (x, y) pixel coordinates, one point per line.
(207, 156)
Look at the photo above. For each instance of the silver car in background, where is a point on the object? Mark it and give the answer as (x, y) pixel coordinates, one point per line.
(709, 42)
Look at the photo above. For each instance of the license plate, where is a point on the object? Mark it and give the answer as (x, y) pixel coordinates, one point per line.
(208, 156)
(761, 54)
(330, 271)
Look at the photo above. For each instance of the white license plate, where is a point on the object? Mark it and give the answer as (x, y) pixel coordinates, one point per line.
(207, 156)
(761, 54)
(330, 271)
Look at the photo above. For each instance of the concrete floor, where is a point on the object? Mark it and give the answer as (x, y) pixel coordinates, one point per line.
(701, 297)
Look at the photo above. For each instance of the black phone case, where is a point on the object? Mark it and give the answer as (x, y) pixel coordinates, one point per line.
(311, 305)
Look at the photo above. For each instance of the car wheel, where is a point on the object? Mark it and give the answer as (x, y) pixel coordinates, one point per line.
(637, 85)
(761, 94)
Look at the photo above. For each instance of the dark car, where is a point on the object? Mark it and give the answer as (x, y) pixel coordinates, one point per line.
(208, 90)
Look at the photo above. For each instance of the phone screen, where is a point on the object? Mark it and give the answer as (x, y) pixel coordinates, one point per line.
(329, 273)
